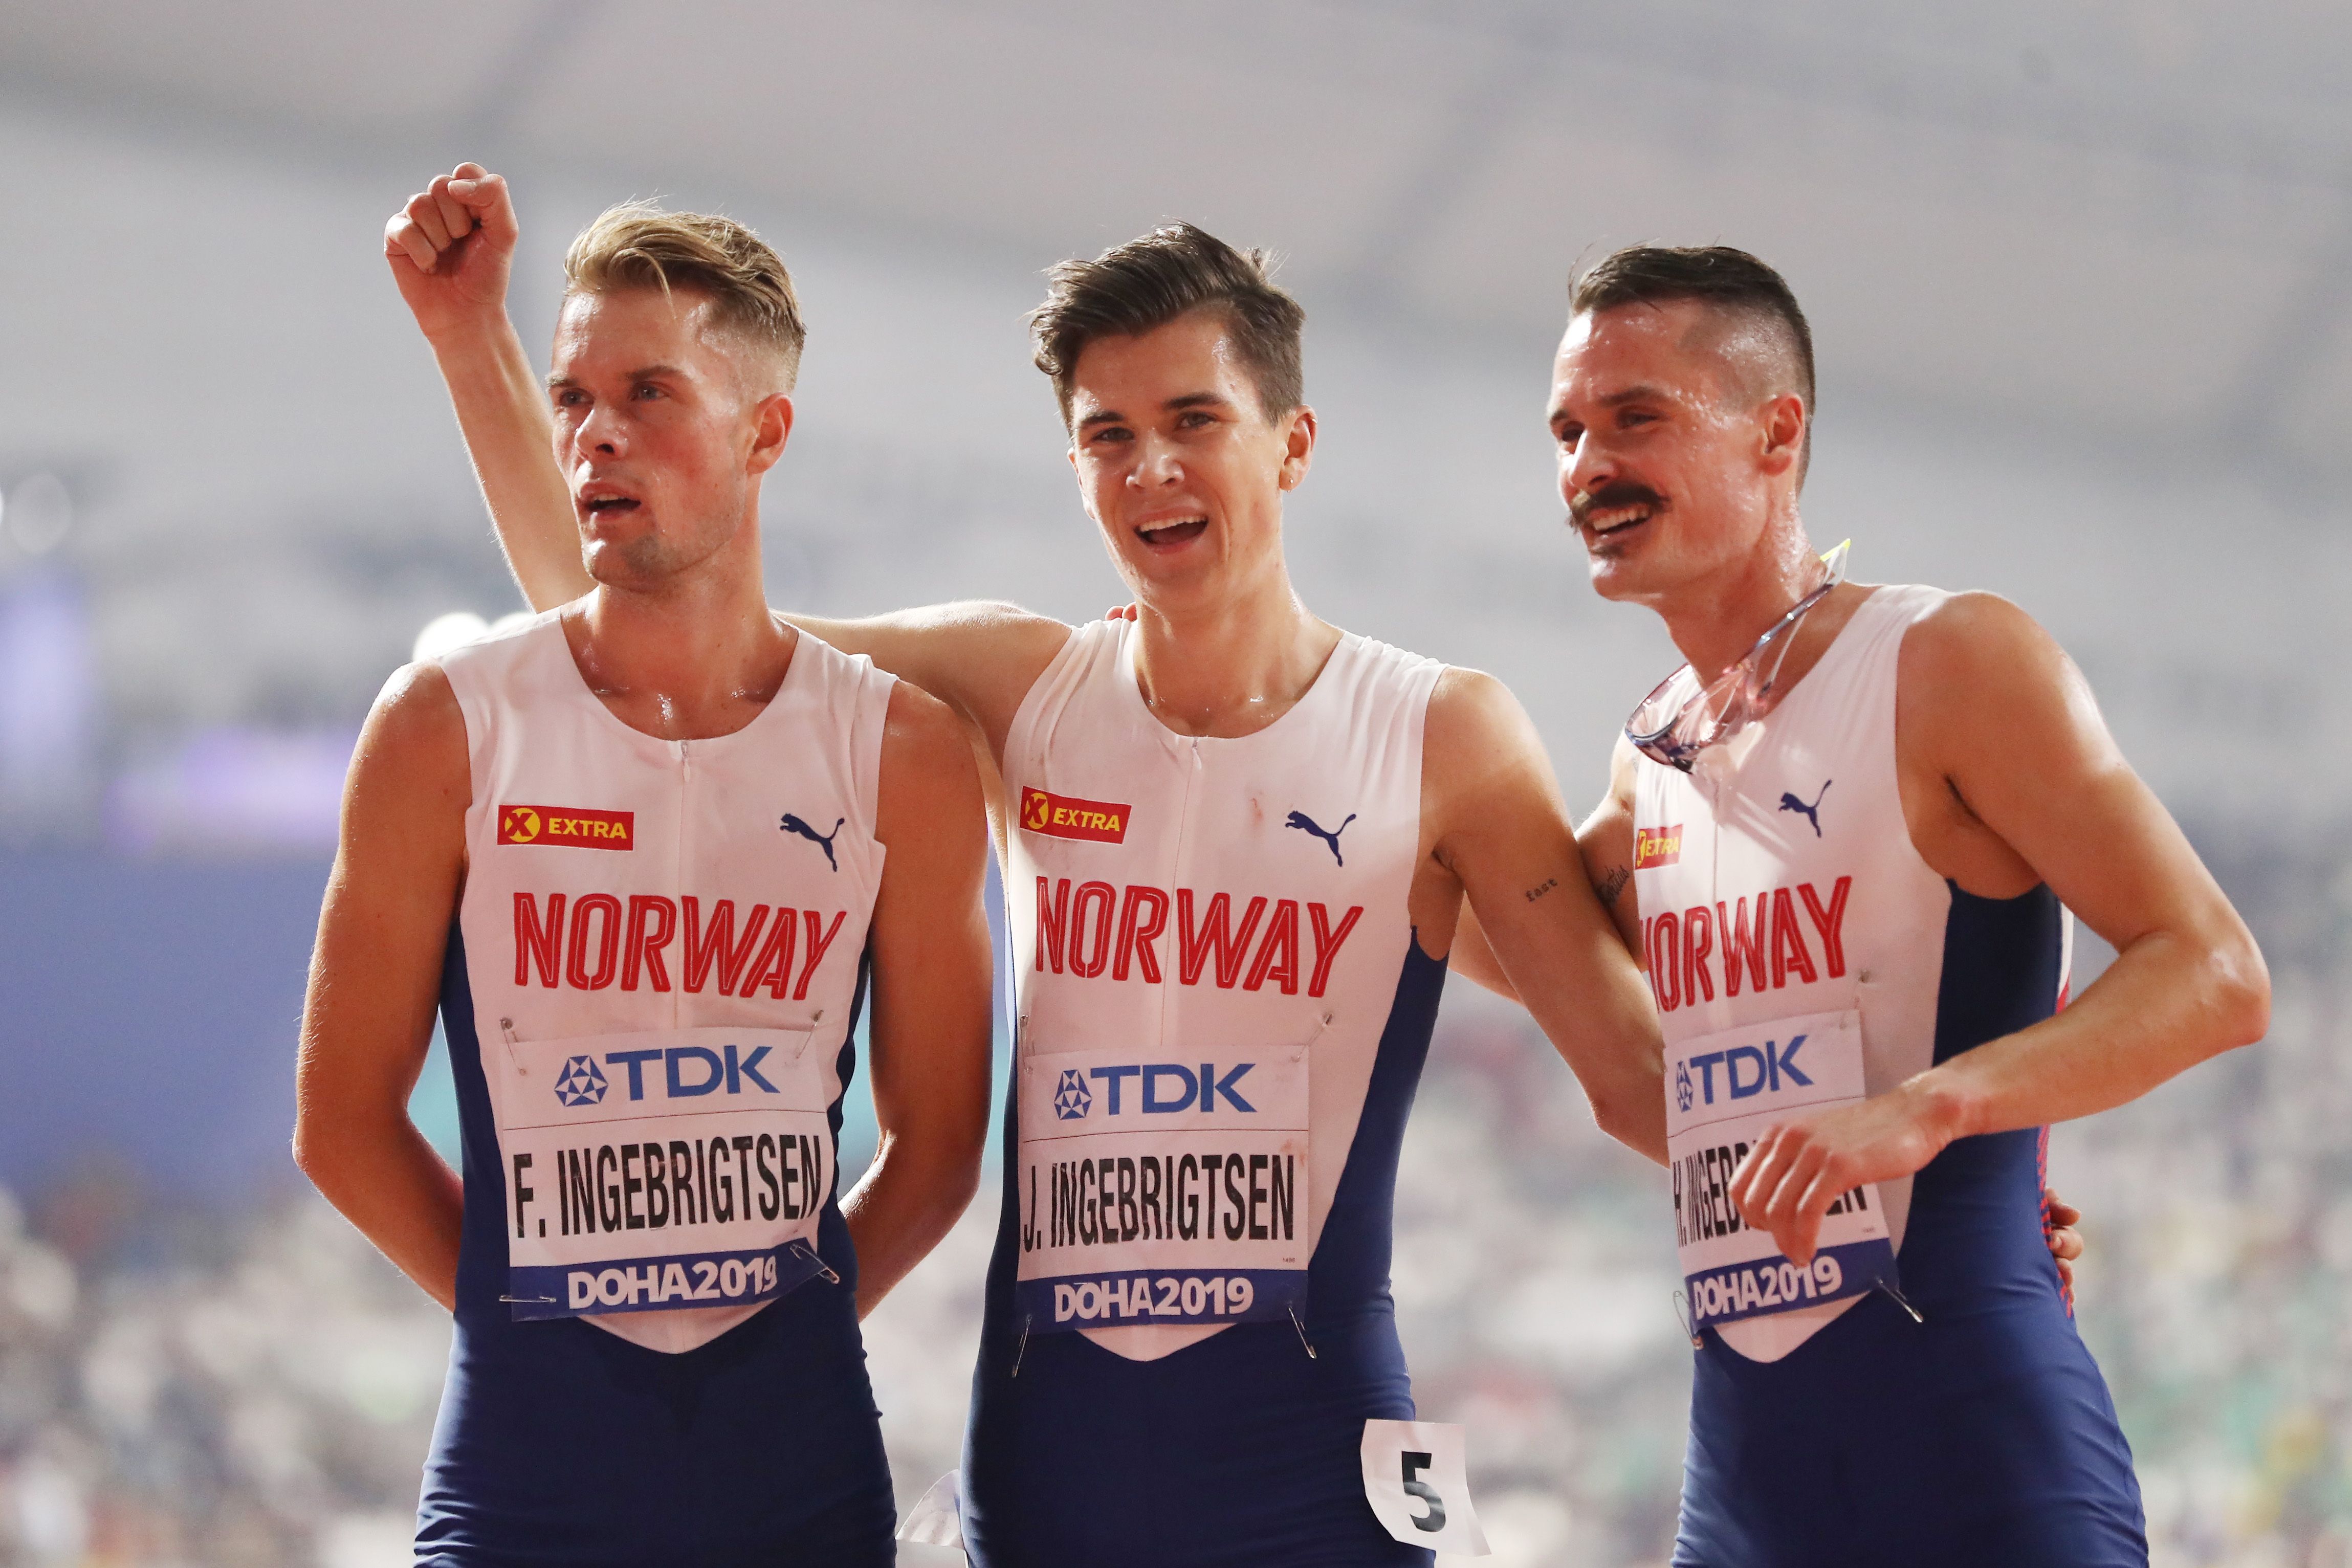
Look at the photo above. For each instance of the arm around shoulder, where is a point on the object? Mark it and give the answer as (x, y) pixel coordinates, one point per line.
(978, 656)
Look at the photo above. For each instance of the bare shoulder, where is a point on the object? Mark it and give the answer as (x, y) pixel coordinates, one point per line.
(416, 729)
(1470, 708)
(411, 780)
(1971, 639)
(1476, 739)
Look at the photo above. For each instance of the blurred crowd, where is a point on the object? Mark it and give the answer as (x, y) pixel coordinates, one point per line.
(258, 1389)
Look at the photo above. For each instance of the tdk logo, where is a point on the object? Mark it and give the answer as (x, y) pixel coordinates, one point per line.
(1072, 1098)
(1167, 1087)
(1748, 1069)
(687, 1071)
(582, 1081)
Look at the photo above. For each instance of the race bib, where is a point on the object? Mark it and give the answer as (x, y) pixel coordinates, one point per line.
(1162, 1192)
(1416, 1476)
(1722, 1090)
(676, 1168)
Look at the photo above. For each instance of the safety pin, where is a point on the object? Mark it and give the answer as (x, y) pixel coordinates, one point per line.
(1293, 1309)
(529, 1300)
(1022, 1349)
(803, 1250)
(1682, 1316)
(1888, 1286)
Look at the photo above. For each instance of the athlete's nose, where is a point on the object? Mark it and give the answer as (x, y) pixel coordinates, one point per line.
(602, 434)
(1157, 463)
(1585, 467)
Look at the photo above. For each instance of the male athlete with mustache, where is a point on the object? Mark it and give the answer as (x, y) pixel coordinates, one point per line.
(1861, 987)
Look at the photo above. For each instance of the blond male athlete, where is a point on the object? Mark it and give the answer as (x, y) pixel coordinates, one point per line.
(1235, 841)
(650, 853)
(1844, 839)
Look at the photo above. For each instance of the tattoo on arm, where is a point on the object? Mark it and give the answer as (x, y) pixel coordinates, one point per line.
(1613, 886)
(1549, 884)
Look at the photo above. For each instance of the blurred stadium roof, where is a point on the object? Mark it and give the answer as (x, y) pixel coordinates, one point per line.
(2136, 217)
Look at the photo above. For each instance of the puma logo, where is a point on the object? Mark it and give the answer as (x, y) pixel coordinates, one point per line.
(1811, 814)
(1305, 823)
(793, 824)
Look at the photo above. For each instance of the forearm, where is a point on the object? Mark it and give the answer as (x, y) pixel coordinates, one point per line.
(898, 1211)
(394, 1190)
(2166, 1003)
(502, 412)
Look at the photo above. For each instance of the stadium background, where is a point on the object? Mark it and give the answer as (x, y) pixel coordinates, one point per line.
(2082, 282)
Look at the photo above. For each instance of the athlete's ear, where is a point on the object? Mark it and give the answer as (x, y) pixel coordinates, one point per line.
(1299, 448)
(1784, 420)
(771, 426)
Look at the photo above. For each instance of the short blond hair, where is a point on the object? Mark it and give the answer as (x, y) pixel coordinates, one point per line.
(637, 245)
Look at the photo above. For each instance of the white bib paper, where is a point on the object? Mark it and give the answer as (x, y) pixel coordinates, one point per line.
(1162, 1192)
(1417, 1479)
(1723, 1090)
(673, 1168)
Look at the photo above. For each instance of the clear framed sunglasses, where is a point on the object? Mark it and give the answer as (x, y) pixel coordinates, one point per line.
(1680, 719)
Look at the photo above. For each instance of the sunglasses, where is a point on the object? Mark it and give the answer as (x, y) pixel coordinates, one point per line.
(1680, 719)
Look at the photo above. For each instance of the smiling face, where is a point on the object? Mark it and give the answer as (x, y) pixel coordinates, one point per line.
(1178, 462)
(1678, 455)
(664, 425)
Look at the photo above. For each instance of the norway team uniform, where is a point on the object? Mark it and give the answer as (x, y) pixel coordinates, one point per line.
(1222, 1017)
(1803, 955)
(648, 998)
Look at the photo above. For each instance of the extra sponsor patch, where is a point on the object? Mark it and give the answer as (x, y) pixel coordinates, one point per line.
(570, 825)
(1657, 846)
(1067, 817)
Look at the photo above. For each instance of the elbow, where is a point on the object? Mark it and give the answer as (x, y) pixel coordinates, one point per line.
(1638, 1125)
(2242, 993)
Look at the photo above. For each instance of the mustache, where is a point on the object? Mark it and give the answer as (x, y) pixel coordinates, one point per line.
(1621, 493)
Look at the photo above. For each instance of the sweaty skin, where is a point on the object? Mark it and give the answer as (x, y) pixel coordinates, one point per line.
(674, 635)
(2008, 775)
(1184, 472)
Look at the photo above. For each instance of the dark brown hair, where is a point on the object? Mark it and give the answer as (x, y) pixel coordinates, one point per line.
(1732, 281)
(1147, 283)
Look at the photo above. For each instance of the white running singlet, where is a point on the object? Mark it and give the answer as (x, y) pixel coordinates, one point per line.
(663, 945)
(1206, 935)
(1795, 944)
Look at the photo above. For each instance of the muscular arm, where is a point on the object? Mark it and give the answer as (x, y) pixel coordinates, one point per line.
(451, 250)
(2011, 780)
(930, 998)
(1605, 843)
(1503, 833)
(375, 978)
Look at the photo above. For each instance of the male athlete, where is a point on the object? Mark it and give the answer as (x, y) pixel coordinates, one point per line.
(1841, 839)
(1236, 843)
(647, 852)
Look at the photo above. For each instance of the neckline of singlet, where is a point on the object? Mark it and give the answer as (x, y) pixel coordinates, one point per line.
(1840, 649)
(1124, 650)
(552, 627)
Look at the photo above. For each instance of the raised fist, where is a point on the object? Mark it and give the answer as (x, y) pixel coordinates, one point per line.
(451, 247)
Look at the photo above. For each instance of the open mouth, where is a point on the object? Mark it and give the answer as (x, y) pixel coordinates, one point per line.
(1603, 521)
(1177, 532)
(600, 502)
